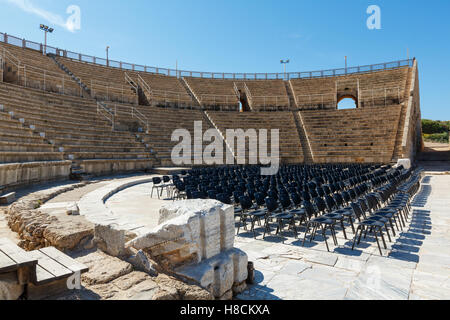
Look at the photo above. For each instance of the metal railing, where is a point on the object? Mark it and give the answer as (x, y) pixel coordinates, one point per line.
(236, 91)
(114, 111)
(42, 79)
(321, 100)
(248, 95)
(265, 101)
(372, 97)
(217, 99)
(270, 101)
(145, 87)
(163, 96)
(198, 74)
(366, 97)
(131, 82)
(108, 91)
(106, 113)
(135, 113)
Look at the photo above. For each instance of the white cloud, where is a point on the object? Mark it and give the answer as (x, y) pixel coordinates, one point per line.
(55, 19)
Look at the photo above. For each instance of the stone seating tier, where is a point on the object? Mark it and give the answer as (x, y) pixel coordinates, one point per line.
(290, 144)
(35, 63)
(361, 135)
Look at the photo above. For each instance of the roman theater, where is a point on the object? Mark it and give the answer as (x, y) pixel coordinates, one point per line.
(95, 206)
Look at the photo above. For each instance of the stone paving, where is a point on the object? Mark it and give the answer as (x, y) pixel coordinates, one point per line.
(140, 209)
(415, 266)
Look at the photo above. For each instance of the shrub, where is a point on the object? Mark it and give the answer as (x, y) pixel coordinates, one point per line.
(431, 126)
(437, 137)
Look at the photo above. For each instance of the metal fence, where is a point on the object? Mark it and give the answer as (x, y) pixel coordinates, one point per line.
(6, 38)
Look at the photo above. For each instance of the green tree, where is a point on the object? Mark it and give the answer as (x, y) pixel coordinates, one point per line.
(433, 127)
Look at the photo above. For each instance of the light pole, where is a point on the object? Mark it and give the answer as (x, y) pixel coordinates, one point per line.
(107, 56)
(46, 29)
(285, 62)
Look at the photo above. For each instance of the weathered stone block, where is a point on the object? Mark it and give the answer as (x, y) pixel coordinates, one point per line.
(111, 240)
(195, 240)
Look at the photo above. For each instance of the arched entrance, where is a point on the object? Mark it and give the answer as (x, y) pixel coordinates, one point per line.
(347, 102)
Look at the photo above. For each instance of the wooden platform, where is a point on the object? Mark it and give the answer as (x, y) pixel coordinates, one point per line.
(44, 272)
(54, 265)
(15, 259)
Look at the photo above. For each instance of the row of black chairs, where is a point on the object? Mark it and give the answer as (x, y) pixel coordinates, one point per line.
(318, 197)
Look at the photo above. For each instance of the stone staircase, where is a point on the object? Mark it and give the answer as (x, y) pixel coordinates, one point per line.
(143, 100)
(306, 148)
(208, 118)
(68, 72)
(290, 94)
(397, 154)
(191, 92)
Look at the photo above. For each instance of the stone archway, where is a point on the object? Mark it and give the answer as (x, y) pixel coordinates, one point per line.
(347, 97)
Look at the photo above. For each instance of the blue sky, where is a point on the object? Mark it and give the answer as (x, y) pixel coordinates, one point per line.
(251, 35)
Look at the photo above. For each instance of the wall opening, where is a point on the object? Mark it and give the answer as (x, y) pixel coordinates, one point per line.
(348, 102)
(243, 103)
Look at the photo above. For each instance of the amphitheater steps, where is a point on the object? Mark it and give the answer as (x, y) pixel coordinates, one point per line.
(107, 155)
(366, 134)
(305, 143)
(191, 92)
(92, 148)
(23, 138)
(14, 156)
(37, 114)
(25, 147)
(210, 120)
(397, 154)
(20, 144)
(70, 74)
(290, 144)
(66, 125)
(290, 94)
(112, 142)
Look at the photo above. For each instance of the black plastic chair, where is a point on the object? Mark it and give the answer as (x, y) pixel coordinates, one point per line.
(198, 195)
(369, 226)
(305, 213)
(274, 212)
(224, 198)
(254, 215)
(272, 208)
(168, 185)
(157, 184)
(323, 223)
